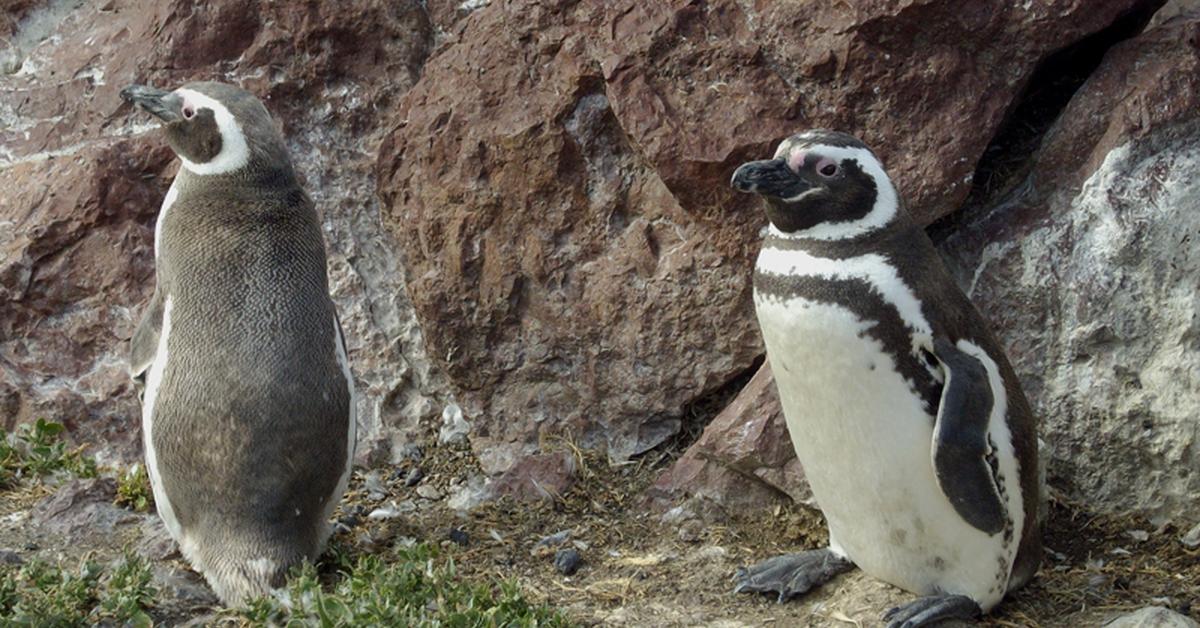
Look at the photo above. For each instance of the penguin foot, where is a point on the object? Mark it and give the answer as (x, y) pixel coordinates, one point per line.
(927, 610)
(791, 574)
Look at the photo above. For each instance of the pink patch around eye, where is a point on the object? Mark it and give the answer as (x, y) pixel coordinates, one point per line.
(796, 159)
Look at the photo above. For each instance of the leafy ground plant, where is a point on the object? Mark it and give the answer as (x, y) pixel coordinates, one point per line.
(408, 587)
(38, 449)
(133, 489)
(38, 593)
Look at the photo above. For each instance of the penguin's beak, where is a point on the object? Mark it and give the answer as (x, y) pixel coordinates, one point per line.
(769, 177)
(166, 106)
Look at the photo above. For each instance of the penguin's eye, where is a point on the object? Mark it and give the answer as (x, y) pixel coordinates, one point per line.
(189, 112)
(827, 168)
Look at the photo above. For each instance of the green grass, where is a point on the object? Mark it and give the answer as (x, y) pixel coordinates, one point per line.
(403, 586)
(38, 449)
(409, 587)
(40, 594)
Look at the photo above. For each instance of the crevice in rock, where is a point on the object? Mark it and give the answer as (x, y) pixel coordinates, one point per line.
(1006, 161)
(699, 412)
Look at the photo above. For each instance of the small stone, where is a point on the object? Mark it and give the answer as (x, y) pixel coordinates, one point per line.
(455, 428)
(429, 492)
(567, 561)
(474, 492)
(459, 536)
(1191, 540)
(1139, 535)
(414, 476)
(376, 491)
(554, 540)
(389, 511)
(691, 530)
(9, 557)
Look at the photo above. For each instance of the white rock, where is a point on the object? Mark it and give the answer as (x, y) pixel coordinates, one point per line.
(1094, 297)
(455, 428)
(474, 492)
(1191, 540)
(1152, 617)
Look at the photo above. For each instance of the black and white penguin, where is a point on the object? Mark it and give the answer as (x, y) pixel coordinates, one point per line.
(248, 419)
(907, 418)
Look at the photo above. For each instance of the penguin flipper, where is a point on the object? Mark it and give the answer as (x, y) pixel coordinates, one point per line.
(144, 343)
(960, 440)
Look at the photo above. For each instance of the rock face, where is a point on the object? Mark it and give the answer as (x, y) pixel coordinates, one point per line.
(84, 176)
(554, 231)
(1088, 271)
(575, 256)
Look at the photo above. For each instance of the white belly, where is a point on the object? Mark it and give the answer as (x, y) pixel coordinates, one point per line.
(864, 440)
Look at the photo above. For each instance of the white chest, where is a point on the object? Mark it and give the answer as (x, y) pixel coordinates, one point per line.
(865, 441)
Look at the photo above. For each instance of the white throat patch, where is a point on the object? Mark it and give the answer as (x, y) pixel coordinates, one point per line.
(886, 200)
(234, 150)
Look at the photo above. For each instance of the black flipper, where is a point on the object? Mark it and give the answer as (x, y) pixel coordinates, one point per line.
(932, 609)
(960, 440)
(791, 574)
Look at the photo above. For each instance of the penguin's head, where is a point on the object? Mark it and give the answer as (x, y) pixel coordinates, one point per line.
(822, 185)
(215, 128)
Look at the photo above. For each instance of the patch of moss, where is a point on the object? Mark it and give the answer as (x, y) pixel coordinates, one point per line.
(411, 586)
(41, 594)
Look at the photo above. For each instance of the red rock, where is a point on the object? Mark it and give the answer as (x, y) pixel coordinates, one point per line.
(84, 176)
(562, 285)
(701, 87)
(744, 458)
(558, 182)
(537, 477)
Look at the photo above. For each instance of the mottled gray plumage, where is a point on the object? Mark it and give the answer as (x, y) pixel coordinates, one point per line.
(248, 419)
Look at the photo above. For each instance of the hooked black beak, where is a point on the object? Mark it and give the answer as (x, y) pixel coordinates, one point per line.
(769, 177)
(162, 104)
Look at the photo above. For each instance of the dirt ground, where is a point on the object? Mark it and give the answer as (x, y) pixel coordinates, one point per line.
(644, 568)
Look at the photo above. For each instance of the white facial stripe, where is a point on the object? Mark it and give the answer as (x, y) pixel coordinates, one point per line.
(801, 195)
(872, 268)
(234, 151)
(886, 201)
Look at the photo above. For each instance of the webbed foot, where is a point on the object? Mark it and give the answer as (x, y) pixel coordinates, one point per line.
(791, 574)
(926, 610)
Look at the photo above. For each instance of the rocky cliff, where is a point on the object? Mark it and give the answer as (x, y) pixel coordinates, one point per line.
(528, 217)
